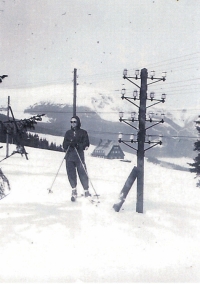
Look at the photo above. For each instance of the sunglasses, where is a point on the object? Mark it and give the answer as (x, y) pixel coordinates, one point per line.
(73, 121)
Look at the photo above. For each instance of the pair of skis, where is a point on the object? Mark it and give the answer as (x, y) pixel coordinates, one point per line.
(89, 198)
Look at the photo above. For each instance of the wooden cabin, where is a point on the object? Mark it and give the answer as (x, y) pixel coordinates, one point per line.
(108, 149)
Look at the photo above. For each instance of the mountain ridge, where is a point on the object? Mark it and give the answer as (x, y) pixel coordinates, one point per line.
(175, 142)
(99, 110)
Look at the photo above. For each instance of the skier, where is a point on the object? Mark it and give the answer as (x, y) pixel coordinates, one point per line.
(76, 140)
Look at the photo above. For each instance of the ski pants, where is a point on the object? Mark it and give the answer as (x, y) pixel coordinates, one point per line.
(74, 165)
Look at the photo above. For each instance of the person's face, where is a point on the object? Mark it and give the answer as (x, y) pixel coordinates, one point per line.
(73, 122)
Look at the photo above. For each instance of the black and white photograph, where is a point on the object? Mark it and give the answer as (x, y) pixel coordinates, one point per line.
(99, 141)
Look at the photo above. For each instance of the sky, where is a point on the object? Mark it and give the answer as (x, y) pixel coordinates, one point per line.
(43, 41)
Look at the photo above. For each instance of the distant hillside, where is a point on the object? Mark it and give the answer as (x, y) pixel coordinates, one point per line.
(98, 110)
(98, 128)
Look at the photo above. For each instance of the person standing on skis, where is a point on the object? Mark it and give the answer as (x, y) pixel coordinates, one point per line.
(75, 141)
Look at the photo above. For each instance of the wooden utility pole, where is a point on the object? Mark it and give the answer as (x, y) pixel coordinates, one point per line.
(141, 141)
(139, 173)
(74, 97)
(7, 136)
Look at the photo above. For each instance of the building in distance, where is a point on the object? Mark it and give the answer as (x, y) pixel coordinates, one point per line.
(108, 149)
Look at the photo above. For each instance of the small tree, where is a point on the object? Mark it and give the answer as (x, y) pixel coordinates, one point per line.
(17, 129)
(196, 165)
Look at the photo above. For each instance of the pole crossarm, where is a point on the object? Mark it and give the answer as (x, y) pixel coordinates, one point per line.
(155, 144)
(158, 101)
(125, 121)
(126, 143)
(129, 100)
(128, 78)
(158, 80)
(161, 121)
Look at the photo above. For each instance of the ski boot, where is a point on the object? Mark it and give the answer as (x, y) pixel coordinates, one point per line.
(87, 193)
(74, 195)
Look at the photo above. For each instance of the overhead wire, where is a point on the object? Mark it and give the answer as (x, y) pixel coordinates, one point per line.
(113, 73)
(186, 137)
(101, 77)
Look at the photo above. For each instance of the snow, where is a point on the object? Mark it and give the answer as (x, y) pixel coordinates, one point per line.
(47, 238)
(183, 161)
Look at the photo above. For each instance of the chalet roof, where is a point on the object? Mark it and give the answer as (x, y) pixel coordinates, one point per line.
(105, 146)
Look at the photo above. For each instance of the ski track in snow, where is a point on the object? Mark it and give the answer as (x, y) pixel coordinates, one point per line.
(47, 238)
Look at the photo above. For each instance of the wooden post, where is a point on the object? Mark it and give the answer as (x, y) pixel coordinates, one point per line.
(125, 190)
(141, 141)
(74, 97)
(7, 136)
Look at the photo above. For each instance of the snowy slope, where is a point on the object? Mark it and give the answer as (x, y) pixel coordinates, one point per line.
(47, 238)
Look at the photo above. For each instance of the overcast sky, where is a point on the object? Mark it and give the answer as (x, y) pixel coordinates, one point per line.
(42, 41)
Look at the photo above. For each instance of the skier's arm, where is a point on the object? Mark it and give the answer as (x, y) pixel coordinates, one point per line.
(84, 143)
(66, 142)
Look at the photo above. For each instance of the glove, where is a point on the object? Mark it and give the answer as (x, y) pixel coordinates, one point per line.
(73, 144)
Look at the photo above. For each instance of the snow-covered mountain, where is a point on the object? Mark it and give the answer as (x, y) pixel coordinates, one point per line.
(21, 99)
(99, 111)
(106, 104)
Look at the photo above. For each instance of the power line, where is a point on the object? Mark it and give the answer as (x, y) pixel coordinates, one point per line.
(186, 137)
(101, 112)
(174, 58)
(113, 73)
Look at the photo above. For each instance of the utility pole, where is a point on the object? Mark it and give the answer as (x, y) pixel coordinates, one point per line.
(141, 141)
(141, 137)
(74, 97)
(7, 136)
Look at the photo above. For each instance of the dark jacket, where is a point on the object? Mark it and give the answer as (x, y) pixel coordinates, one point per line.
(76, 137)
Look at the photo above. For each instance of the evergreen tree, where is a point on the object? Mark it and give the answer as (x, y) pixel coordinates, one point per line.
(196, 165)
(36, 141)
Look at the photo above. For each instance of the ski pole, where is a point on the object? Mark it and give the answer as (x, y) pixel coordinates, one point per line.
(87, 174)
(50, 189)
